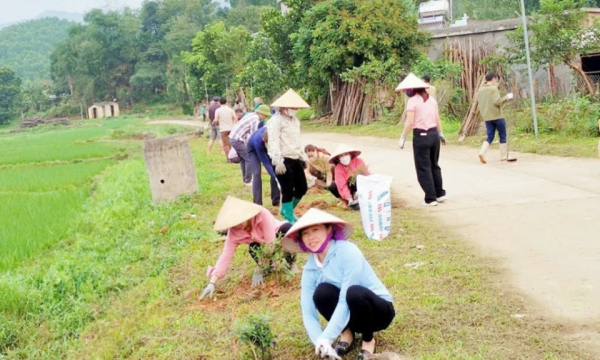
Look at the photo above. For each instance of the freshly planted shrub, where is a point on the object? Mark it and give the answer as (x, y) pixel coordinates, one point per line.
(255, 332)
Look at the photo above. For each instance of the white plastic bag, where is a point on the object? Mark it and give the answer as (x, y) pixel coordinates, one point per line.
(375, 204)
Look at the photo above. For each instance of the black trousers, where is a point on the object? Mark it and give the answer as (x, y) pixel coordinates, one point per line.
(254, 248)
(335, 192)
(426, 149)
(368, 312)
(293, 182)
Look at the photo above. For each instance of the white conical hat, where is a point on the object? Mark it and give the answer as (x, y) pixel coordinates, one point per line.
(312, 217)
(290, 100)
(234, 212)
(412, 82)
(342, 149)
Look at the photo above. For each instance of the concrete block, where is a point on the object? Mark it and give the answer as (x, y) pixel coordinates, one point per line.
(170, 168)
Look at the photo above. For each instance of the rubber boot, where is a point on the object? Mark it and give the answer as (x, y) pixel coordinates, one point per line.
(295, 201)
(503, 152)
(287, 210)
(484, 148)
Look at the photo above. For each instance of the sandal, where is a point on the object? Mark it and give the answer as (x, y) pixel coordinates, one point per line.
(342, 347)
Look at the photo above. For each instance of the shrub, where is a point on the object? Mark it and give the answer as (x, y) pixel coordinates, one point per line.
(576, 117)
(255, 332)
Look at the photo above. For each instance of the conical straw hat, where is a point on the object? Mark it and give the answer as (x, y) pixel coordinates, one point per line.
(312, 217)
(412, 82)
(290, 100)
(234, 212)
(342, 149)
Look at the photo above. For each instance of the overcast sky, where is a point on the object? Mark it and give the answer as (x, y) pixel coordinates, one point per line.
(17, 10)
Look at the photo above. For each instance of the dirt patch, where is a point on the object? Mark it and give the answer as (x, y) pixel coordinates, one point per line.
(303, 207)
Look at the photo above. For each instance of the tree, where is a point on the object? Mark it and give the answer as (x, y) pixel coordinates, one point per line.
(559, 34)
(364, 41)
(10, 94)
(247, 16)
(218, 54)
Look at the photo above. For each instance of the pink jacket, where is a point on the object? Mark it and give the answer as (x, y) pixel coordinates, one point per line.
(343, 173)
(264, 231)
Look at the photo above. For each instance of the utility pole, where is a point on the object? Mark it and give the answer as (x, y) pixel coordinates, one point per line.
(529, 71)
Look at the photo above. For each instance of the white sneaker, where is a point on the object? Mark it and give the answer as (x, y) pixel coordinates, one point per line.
(248, 184)
(433, 203)
(441, 199)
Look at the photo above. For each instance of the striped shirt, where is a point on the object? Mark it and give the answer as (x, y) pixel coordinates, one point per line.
(245, 127)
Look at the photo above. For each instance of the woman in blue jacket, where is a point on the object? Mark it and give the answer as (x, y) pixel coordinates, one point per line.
(338, 283)
(257, 153)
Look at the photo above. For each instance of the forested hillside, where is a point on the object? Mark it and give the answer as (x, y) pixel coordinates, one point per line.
(26, 47)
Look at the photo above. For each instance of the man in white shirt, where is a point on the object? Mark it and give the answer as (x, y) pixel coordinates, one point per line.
(225, 118)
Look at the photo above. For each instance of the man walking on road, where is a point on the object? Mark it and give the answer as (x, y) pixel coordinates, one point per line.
(225, 118)
(490, 109)
(215, 132)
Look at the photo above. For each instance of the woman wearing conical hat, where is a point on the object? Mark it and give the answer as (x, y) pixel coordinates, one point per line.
(423, 118)
(347, 167)
(285, 150)
(339, 284)
(246, 224)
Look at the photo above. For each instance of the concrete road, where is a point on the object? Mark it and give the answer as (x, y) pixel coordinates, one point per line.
(539, 216)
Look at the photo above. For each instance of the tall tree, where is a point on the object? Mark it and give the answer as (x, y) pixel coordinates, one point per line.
(10, 94)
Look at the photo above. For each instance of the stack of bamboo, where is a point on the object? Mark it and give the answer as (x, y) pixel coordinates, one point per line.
(350, 104)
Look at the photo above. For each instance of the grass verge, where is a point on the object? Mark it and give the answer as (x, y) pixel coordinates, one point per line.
(116, 287)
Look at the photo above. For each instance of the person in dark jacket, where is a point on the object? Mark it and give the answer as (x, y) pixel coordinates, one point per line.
(257, 153)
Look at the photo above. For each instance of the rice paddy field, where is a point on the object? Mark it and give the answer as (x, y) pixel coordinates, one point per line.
(47, 173)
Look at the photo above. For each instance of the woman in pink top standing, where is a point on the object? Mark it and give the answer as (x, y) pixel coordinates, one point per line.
(423, 118)
(246, 224)
(347, 167)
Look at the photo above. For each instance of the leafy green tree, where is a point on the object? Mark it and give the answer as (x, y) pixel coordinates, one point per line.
(10, 94)
(247, 16)
(559, 34)
(243, 3)
(218, 54)
(373, 40)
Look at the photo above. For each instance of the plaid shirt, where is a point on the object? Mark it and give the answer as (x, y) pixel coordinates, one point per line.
(245, 127)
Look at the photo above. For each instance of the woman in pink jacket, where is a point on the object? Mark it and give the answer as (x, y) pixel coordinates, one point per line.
(347, 167)
(246, 224)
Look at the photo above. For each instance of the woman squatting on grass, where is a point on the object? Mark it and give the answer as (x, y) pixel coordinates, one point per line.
(246, 224)
(347, 167)
(338, 283)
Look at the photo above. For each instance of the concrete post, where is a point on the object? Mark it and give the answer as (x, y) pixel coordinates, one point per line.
(170, 168)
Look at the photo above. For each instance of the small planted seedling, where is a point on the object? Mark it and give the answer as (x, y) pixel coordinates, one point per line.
(272, 260)
(256, 333)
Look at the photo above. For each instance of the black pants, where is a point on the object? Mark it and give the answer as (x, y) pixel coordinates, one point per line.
(293, 182)
(368, 312)
(255, 247)
(335, 192)
(426, 148)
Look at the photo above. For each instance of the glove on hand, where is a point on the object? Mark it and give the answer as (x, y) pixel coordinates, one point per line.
(280, 169)
(401, 142)
(352, 202)
(209, 290)
(323, 349)
(257, 278)
(510, 96)
(442, 138)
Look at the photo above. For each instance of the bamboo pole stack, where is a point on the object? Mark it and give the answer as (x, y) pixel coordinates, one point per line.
(350, 104)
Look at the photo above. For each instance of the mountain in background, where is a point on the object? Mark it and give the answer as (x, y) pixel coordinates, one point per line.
(26, 46)
(65, 15)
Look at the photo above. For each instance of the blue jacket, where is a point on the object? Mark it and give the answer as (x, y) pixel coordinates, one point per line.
(343, 267)
(257, 145)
